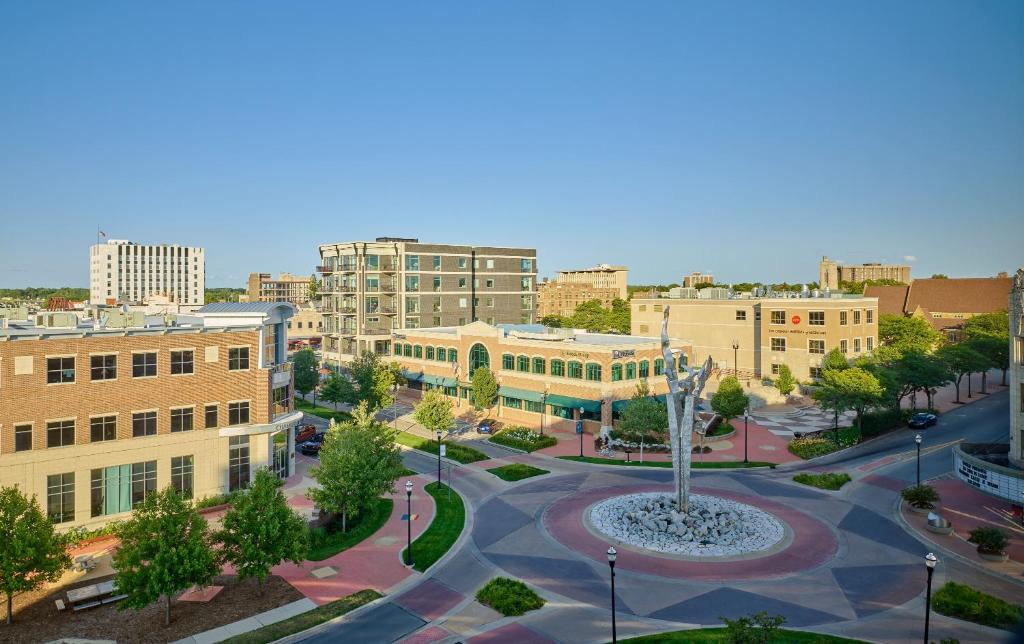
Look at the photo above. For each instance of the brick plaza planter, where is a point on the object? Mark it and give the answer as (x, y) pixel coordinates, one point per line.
(948, 529)
(921, 511)
(1000, 557)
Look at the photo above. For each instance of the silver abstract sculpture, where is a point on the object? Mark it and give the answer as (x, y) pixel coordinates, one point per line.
(681, 415)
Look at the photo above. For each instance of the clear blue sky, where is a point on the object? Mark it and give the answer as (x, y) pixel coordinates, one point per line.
(747, 139)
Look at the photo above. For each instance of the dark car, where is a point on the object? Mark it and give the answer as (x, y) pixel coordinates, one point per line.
(486, 427)
(313, 445)
(922, 420)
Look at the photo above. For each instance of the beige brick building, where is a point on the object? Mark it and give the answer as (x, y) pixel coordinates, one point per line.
(93, 418)
(831, 273)
(600, 276)
(562, 298)
(121, 271)
(545, 375)
(262, 287)
(768, 332)
(694, 279)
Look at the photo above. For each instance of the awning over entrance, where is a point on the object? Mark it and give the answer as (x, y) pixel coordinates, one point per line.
(412, 375)
(593, 406)
(522, 394)
(440, 381)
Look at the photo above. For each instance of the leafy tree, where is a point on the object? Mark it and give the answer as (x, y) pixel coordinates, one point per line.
(485, 388)
(619, 317)
(555, 321)
(338, 389)
(729, 401)
(260, 530)
(992, 325)
(940, 276)
(831, 399)
(307, 376)
(644, 416)
(376, 380)
(786, 382)
(314, 287)
(834, 360)
(591, 316)
(165, 548)
(996, 352)
(222, 294)
(907, 333)
(359, 462)
(961, 360)
(31, 552)
(435, 411)
(853, 388)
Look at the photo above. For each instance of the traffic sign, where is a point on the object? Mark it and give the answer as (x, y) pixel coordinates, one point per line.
(579, 426)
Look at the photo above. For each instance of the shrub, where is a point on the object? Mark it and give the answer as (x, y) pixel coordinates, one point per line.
(516, 471)
(922, 497)
(218, 499)
(721, 429)
(522, 438)
(509, 596)
(825, 480)
(991, 541)
(963, 602)
(823, 443)
(758, 628)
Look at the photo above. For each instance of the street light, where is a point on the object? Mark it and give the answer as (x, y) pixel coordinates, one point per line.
(408, 497)
(735, 351)
(439, 460)
(918, 439)
(746, 418)
(579, 423)
(929, 561)
(611, 565)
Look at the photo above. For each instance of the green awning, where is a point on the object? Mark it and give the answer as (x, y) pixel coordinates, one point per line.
(522, 394)
(440, 381)
(619, 406)
(593, 406)
(413, 375)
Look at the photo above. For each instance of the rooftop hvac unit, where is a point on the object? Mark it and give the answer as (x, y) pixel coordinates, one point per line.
(115, 319)
(14, 313)
(57, 320)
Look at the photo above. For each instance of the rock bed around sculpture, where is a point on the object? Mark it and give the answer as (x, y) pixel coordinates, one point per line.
(713, 527)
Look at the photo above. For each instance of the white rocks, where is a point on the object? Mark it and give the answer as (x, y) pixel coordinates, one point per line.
(713, 527)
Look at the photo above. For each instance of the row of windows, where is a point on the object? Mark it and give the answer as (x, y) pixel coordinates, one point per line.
(441, 354)
(144, 365)
(818, 346)
(61, 433)
(592, 370)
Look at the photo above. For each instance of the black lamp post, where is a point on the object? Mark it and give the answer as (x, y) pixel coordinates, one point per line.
(408, 497)
(918, 439)
(735, 352)
(929, 561)
(580, 421)
(746, 418)
(439, 460)
(611, 565)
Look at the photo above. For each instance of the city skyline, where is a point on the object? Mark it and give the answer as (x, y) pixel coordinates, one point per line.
(747, 140)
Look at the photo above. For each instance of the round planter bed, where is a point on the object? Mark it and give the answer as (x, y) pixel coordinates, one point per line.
(946, 529)
(922, 511)
(997, 557)
(720, 437)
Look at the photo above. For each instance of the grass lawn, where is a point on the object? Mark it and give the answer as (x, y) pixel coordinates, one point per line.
(516, 472)
(449, 518)
(408, 472)
(963, 602)
(523, 438)
(825, 480)
(454, 451)
(783, 636)
(328, 541)
(509, 596)
(322, 412)
(697, 465)
(309, 619)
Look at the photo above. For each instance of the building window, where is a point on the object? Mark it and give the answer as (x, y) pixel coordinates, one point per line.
(103, 367)
(593, 371)
(512, 403)
(60, 497)
(778, 317)
(616, 372)
(453, 355)
(870, 343)
(575, 369)
(407, 350)
(60, 370)
(538, 365)
(437, 284)
(462, 262)
(143, 365)
(741, 315)
(441, 354)
(816, 346)
(642, 308)
(869, 316)
(478, 357)
(523, 363)
(181, 475)
(630, 371)
(238, 358)
(816, 318)
(775, 369)
(856, 317)
(412, 262)
(489, 283)
(659, 366)
(119, 488)
(417, 351)
(143, 481)
(430, 353)
(211, 416)
(144, 423)
(815, 372)
(182, 362)
(22, 438)
(645, 368)
(238, 413)
(412, 282)
(842, 318)
(535, 407)
(856, 345)
(238, 463)
(508, 361)
(60, 433)
(437, 262)
(103, 428)
(843, 346)
(778, 344)
(526, 302)
(525, 265)
(181, 419)
(557, 367)
(683, 361)
(462, 282)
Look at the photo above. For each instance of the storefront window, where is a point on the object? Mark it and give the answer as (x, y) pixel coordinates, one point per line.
(522, 363)
(557, 368)
(575, 370)
(593, 371)
(538, 365)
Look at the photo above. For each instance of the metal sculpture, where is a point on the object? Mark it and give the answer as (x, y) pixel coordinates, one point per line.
(681, 417)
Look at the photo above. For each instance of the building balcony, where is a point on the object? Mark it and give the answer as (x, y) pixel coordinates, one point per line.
(277, 410)
(281, 374)
(324, 269)
(376, 331)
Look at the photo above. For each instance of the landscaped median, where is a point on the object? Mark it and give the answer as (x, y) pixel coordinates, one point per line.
(516, 472)
(523, 439)
(309, 619)
(824, 481)
(444, 530)
(697, 465)
(454, 451)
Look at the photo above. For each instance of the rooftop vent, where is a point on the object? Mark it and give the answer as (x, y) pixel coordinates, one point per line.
(57, 320)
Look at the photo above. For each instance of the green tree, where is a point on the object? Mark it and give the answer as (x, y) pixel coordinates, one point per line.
(994, 326)
(555, 321)
(854, 388)
(834, 360)
(260, 531)
(729, 401)
(830, 399)
(485, 388)
(165, 548)
(307, 375)
(786, 382)
(338, 389)
(591, 316)
(359, 462)
(435, 411)
(907, 333)
(619, 317)
(644, 417)
(961, 360)
(996, 352)
(314, 287)
(940, 276)
(32, 553)
(376, 380)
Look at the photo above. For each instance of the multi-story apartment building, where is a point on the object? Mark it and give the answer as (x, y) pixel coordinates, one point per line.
(547, 377)
(562, 298)
(600, 276)
(1016, 311)
(831, 273)
(96, 415)
(371, 288)
(695, 278)
(262, 287)
(766, 332)
(124, 272)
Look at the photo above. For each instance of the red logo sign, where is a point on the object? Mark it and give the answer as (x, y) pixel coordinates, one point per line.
(796, 319)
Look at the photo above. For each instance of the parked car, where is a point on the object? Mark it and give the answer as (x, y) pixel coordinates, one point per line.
(487, 427)
(304, 433)
(922, 420)
(312, 446)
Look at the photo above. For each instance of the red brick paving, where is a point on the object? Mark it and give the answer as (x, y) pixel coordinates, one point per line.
(430, 599)
(813, 543)
(427, 636)
(967, 508)
(510, 634)
(884, 482)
